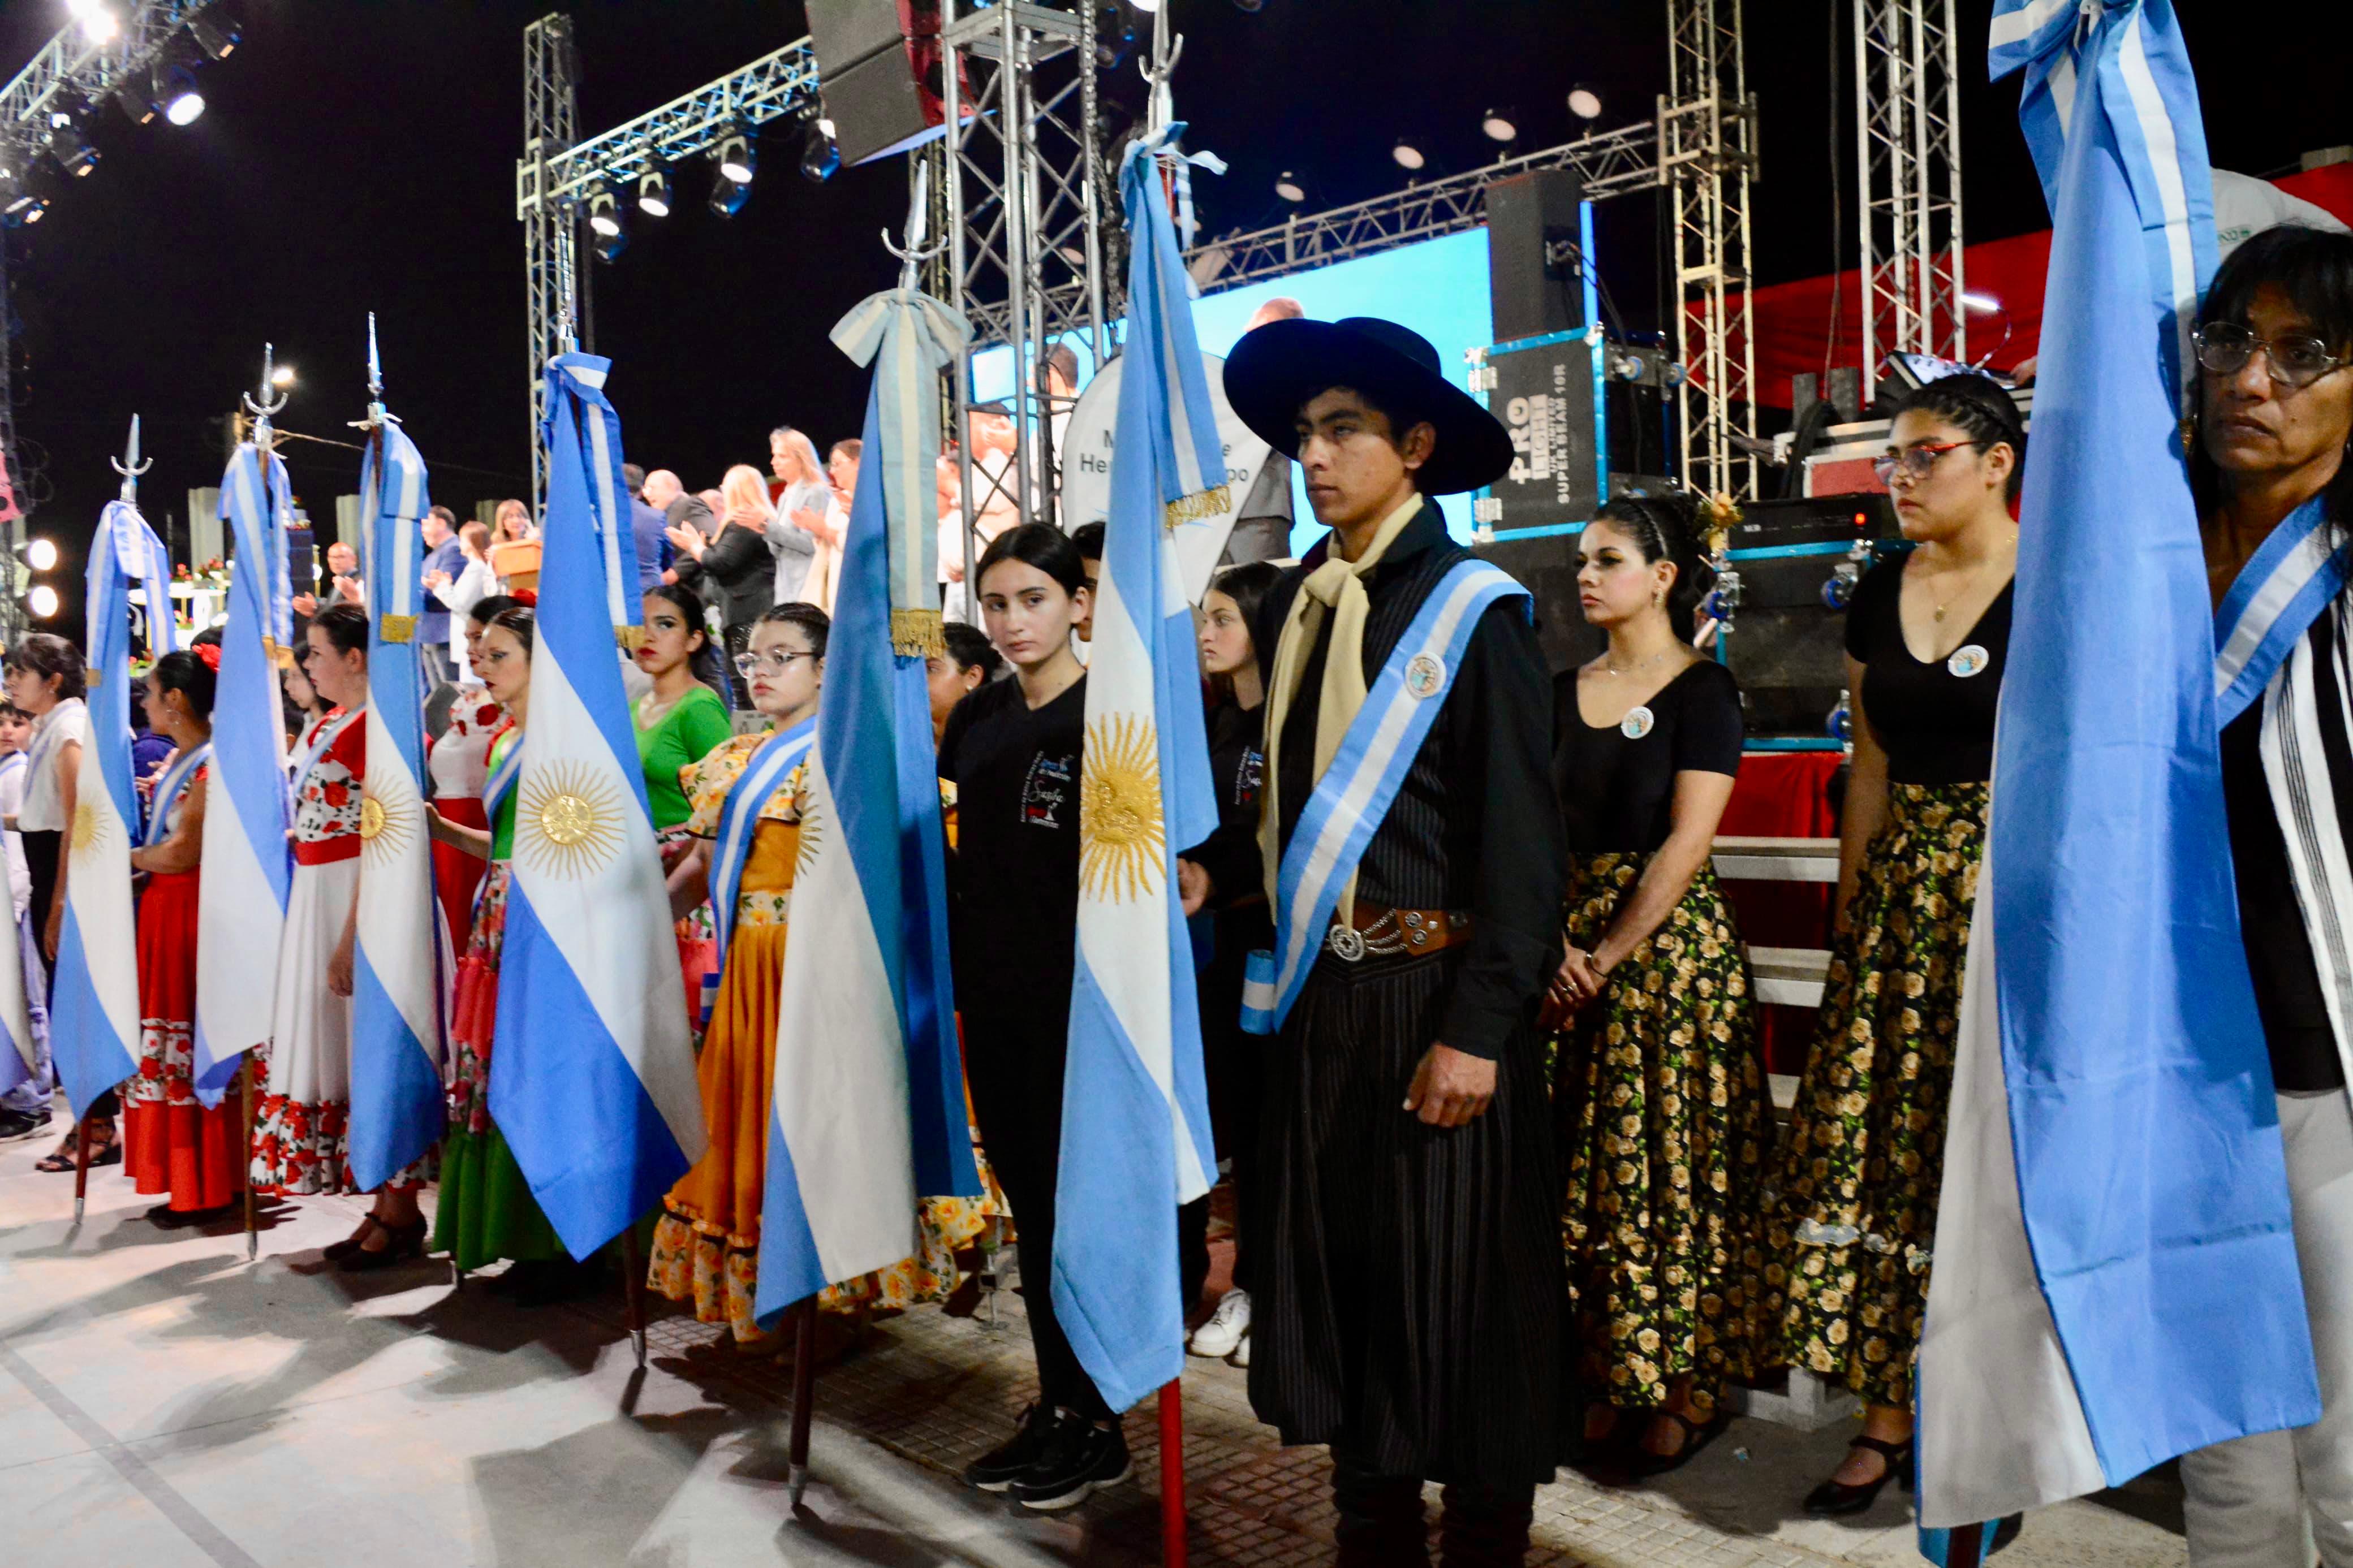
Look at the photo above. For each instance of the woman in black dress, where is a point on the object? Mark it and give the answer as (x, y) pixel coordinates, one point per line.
(1232, 1060)
(1012, 749)
(1661, 1100)
(1856, 1217)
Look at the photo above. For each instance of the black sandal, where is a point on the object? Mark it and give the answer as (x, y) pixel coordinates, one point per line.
(1640, 1463)
(63, 1160)
(1834, 1497)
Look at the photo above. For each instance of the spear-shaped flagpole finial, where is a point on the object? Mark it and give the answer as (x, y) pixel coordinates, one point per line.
(914, 253)
(376, 411)
(128, 466)
(266, 404)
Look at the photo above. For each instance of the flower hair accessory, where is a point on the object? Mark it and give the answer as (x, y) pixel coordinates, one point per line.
(210, 653)
(1720, 513)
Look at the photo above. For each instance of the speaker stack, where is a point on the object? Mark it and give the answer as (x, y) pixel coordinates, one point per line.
(880, 66)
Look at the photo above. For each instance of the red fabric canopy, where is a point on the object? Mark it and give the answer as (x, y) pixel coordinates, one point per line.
(1792, 321)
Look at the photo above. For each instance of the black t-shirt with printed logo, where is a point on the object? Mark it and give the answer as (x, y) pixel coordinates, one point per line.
(1014, 883)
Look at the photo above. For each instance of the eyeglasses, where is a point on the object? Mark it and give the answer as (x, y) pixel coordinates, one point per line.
(752, 664)
(2298, 359)
(1915, 461)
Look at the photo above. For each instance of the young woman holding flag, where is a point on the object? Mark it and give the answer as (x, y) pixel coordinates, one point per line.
(677, 724)
(175, 1145)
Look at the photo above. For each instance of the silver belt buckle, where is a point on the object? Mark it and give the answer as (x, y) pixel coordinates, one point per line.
(1347, 944)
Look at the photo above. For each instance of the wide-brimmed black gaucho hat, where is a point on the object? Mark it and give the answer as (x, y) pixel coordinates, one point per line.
(1276, 369)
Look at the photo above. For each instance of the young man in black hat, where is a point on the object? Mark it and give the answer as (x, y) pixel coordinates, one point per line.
(1407, 1309)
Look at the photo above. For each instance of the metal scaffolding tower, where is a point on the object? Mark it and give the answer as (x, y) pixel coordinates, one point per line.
(551, 229)
(1707, 155)
(1907, 145)
(1025, 189)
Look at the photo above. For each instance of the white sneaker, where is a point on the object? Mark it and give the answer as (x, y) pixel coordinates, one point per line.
(1242, 1352)
(1226, 1327)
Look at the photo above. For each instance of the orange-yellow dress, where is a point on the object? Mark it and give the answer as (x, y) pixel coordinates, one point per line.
(706, 1247)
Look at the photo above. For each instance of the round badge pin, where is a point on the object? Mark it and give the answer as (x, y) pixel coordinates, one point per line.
(1424, 674)
(1636, 724)
(1967, 661)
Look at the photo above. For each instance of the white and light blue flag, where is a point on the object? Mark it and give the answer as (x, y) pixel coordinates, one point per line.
(248, 865)
(2113, 1155)
(94, 998)
(19, 1051)
(869, 1112)
(1135, 1123)
(400, 986)
(592, 1075)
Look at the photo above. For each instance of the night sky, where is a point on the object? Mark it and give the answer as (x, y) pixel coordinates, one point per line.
(359, 155)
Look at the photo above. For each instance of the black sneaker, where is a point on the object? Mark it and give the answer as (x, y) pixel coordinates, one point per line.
(1080, 1458)
(15, 1124)
(997, 1469)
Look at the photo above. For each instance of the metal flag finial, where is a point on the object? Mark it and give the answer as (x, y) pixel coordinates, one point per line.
(263, 405)
(128, 466)
(376, 411)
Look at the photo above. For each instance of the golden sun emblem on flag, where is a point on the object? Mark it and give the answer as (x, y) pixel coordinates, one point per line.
(1122, 844)
(89, 826)
(387, 817)
(568, 822)
(812, 833)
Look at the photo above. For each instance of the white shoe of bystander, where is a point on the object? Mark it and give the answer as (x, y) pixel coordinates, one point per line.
(1226, 1327)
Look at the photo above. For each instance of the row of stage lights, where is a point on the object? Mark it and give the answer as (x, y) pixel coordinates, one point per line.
(733, 162)
(1499, 125)
(37, 555)
(32, 173)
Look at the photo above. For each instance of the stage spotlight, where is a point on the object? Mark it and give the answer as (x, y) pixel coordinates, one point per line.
(99, 25)
(23, 207)
(41, 554)
(727, 198)
(281, 375)
(182, 104)
(1252, 6)
(1289, 187)
(654, 193)
(1501, 125)
(137, 107)
(1408, 155)
(734, 158)
(1585, 102)
(217, 33)
(1983, 304)
(820, 156)
(42, 601)
(604, 224)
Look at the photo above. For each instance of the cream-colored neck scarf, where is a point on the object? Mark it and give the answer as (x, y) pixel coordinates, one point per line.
(1337, 586)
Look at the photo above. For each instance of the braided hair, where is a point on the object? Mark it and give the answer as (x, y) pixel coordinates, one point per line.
(1669, 528)
(1977, 407)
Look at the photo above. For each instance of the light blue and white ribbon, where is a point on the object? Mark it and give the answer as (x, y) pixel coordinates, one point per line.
(739, 820)
(2278, 593)
(164, 800)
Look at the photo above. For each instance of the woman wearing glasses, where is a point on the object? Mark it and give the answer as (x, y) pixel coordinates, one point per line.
(677, 724)
(2268, 467)
(1925, 636)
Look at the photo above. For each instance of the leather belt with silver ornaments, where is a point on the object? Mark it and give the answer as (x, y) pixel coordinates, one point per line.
(1386, 933)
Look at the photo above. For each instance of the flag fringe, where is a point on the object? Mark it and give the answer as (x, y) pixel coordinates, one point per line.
(1193, 508)
(918, 634)
(628, 638)
(398, 628)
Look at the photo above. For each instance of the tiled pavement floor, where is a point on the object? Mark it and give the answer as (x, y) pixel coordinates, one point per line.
(163, 1403)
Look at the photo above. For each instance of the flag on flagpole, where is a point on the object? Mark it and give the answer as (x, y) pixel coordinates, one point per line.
(19, 1051)
(1136, 1124)
(249, 868)
(399, 994)
(592, 1077)
(94, 1001)
(2113, 1154)
(869, 1112)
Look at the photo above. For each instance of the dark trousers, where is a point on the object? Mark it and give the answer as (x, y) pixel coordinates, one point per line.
(1235, 1065)
(43, 850)
(1013, 1061)
(1381, 1519)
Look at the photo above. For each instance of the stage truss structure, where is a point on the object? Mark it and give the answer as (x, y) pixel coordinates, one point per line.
(71, 75)
(1907, 149)
(1707, 159)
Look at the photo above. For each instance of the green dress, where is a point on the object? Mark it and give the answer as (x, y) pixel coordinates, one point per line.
(696, 723)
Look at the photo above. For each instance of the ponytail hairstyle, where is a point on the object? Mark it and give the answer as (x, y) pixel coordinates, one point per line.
(1669, 528)
(346, 627)
(189, 673)
(1979, 407)
(814, 623)
(1039, 544)
(705, 660)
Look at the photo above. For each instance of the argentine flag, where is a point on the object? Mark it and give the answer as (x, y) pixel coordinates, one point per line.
(2116, 1280)
(248, 866)
(399, 999)
(868, 1114)
(1135, 1122)
(94, 1004)
(592, 1080)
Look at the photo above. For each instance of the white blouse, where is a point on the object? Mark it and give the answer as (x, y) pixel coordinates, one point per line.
(43, 810)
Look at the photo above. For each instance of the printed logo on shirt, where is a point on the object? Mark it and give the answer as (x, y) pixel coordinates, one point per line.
(1249, 776)
(1046, 792)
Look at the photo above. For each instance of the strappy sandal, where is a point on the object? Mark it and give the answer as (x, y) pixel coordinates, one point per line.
(63, 1160)
(1835, 1497)
(1641, 1463)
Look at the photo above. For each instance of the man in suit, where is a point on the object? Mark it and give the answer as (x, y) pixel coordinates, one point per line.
(443, 556)
(665, 494)
(646, 525)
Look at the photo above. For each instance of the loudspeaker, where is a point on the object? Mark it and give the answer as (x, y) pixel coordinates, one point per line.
(1546, 566)
(878, 74)
(1536, 253)
(1544, 395)
(1786, 642)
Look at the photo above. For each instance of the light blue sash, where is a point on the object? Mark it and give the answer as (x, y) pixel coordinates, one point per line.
(1354, 795)
(501, 783)
(767, 772)
(2278, 593)
(167, 794)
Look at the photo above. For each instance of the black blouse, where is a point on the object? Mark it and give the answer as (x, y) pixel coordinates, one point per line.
(1618, 791)
(1935, 723)
(1015, 879)
(2288, 997)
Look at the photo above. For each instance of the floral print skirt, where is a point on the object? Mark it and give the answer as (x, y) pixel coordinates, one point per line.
(1855, 1220)
(171, 1143)
(1665, 1128)
(301, 1135)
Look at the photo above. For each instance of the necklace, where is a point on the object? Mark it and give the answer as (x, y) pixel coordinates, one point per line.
(1650, 663)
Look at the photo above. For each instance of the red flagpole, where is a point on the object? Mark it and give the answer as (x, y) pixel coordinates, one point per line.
(1172, 1473)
